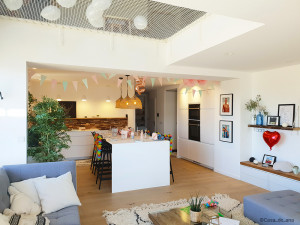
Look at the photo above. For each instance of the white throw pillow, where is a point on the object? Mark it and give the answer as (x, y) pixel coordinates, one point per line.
(28, 188)
(20, 203)
(57, 193)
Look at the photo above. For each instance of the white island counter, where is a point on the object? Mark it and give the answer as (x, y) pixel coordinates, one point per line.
(139, 164)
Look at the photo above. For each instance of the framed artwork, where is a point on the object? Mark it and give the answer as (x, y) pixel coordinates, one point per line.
(226, 131)
(226, 104)
(287, 114)
(273, 120)
(269, 159)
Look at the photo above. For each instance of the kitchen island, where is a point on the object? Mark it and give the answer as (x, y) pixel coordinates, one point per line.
(139, 164)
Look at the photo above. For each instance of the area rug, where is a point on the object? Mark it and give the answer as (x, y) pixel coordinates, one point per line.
(139, 215)
(83, 162)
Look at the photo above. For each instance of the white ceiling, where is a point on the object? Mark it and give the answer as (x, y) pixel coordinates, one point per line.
(276, 44)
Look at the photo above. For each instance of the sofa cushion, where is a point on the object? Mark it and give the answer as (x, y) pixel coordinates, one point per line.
(4, 184)
(269, 208)
(66, 216)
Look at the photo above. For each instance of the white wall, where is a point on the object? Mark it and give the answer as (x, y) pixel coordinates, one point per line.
(278, 86)
(96, 98)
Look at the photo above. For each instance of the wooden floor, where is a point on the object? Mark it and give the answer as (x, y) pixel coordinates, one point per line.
(189, 179)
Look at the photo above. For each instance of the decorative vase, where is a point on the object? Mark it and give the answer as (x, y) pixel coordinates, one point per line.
(259, 119)
(195, 216)
(296, 170)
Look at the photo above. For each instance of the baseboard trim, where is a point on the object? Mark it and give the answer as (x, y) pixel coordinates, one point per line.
(228, 174)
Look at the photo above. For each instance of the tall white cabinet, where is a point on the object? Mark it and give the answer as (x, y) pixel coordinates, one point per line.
(201, 152)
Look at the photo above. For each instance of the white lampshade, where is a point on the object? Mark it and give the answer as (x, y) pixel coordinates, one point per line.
(67, 3)
(13, 4)
(101, 4)
(94, 16)
(51, 13)
(140, 22)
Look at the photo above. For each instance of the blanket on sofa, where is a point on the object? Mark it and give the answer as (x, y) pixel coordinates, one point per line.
(9, 217)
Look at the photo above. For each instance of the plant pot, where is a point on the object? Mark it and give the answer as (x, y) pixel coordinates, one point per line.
(195, 216)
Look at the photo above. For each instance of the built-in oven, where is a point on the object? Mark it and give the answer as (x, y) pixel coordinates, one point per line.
(194, 122)
(194, 130)
(194, 111)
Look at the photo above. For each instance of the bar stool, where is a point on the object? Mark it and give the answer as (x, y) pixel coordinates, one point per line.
(104, 168)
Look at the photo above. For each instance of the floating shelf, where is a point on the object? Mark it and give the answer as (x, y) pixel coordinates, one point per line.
(275, 127)
(271, 170)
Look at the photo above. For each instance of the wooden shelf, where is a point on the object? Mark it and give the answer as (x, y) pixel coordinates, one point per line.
(271, 170)
(275, 127)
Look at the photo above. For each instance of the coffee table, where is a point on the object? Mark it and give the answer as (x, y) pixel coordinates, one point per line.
(178, 217)
(172, 217)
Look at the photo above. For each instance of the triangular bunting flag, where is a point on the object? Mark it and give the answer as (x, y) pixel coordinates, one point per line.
(43, 78)
(200, 93)
(169, 79)
(111, 75)
(187, 89)
(175, 80)
(129, 83)
(153, 81)
(104, 75)
(95, 79)
(120, 82)
(53, 83)
(65, 84)
(85, 83)
(75, 84)
(194, 91)
(160, 81)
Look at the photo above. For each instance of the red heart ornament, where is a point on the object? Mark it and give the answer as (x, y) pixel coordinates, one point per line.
(271, 138)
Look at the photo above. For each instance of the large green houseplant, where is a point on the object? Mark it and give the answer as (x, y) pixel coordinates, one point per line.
(47, 134)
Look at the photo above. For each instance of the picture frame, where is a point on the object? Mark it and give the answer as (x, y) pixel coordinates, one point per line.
(226, 104)
(226, 131)
(273, 120)
(269, 159)
(286, 113)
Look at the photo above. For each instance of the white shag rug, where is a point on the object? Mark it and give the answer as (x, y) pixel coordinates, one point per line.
(139, 215)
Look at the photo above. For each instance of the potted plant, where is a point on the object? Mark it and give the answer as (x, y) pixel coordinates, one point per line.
(195, 208)
(47, 134)
(255, 106)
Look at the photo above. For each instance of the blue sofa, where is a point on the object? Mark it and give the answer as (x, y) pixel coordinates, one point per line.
(273, 208)
(15, 173)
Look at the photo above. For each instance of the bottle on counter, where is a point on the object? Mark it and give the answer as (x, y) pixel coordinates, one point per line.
(132, 135)
(142, 135)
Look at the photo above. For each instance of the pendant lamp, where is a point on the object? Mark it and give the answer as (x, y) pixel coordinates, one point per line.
(125, 102)
(118, 102)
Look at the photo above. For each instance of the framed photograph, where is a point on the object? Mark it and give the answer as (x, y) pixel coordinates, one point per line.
(226, 104)
(269, 159)
(287, 114)
(273, 120)
(226, 131)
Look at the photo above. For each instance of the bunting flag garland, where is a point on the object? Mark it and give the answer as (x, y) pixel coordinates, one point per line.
(129, 83)
(120, 82)
(194, 91)
(75, 84)
(43, 78)
(153, 81)
(111, 75)
(201, 82)
(200, 93)
(104, 75)
(85, 83)
(53, 83)
(65, 84)
(187, 89)
(160, 81)
(175, 81)
(95, 79)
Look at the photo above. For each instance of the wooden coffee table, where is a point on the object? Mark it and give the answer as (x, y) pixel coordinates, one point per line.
(172, 217)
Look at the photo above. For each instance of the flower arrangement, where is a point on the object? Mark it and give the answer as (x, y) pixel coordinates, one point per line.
(211, 204)
(255, 105)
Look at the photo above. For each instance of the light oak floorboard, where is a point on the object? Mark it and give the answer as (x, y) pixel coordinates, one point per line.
(189, 179)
